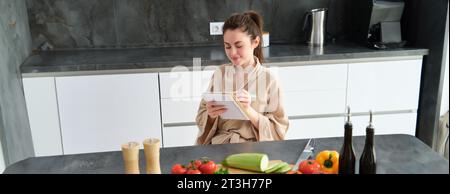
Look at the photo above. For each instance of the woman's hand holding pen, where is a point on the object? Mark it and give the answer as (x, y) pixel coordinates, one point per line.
(244, 97)
(214, 109)
(246, 100)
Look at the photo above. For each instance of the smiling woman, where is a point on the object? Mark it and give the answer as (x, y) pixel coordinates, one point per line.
(244, 77)
(244, 30)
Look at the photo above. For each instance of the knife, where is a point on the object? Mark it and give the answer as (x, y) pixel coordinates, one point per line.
(305, 155)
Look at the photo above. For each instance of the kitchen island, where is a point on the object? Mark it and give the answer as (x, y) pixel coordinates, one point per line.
(396, 154)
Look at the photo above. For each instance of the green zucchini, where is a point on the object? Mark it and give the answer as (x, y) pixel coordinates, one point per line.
(274, 167)
(248, 161)
(283, 169)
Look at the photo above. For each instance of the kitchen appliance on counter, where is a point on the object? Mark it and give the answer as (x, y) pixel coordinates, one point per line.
(377, 24)
(314, 24)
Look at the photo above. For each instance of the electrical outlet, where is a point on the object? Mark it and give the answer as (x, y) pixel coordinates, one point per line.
(215, 28)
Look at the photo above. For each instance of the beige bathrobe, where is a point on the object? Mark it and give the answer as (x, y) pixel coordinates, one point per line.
(268, 102)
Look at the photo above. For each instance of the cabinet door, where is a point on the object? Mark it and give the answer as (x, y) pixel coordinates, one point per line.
(315, 128)
(184, 84)
(180, 136)
(384, 86)
(386, 124)
(99, 113)
(40, 97)
(314, 102)
(315, 89)
(180, 99)
(179, 110)
(312, 77)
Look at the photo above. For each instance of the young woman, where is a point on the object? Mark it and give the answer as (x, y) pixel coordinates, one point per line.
(255, 87)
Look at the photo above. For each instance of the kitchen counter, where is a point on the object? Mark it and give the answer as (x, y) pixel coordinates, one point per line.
(396, 154)
(58, 63)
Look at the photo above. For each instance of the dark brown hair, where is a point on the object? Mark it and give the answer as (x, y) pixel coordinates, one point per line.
(251, 23)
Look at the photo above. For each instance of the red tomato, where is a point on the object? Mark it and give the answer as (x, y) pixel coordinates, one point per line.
(208, 167)
(178, 169)
(196, 163)
(193, 171)
(309, 167)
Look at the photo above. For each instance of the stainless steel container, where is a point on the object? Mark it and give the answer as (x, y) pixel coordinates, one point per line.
(315, 21)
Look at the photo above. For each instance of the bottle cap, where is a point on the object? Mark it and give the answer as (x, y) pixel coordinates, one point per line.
(370, 126)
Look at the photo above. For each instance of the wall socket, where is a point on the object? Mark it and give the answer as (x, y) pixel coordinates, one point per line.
(215, 28)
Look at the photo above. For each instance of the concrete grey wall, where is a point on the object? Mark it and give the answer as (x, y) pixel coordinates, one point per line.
(445, 96)
(15, 47)
(67, 24)
(425, 23)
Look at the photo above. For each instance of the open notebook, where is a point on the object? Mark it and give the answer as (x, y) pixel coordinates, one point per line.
(235, 109)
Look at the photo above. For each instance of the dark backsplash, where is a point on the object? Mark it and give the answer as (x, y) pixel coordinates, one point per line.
(70, 24)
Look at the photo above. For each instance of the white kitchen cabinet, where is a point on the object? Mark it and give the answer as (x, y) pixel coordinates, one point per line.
(184, 84)
(42, 108)
(313, 77)
(98, 113)
(334, 126)
(384, 86)
(313, 90)
(179, 110)
(180, 98)
(315, 128)
(180, 136)
(314, 102)
(404, 123)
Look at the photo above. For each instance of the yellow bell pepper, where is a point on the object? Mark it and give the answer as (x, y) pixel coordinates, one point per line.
(329, 161)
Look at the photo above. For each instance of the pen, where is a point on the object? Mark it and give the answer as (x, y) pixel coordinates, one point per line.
(252, 96)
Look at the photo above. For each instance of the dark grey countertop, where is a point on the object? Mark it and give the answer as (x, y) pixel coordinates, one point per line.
(164, 58)
(396, 154)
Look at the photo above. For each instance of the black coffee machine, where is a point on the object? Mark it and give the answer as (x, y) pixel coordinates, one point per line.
(377, 23)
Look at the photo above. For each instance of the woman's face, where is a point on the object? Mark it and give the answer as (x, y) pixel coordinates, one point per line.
(239, 47)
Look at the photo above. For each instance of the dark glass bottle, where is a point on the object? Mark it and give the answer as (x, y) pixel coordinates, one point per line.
(367, 162)
(347, 153)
